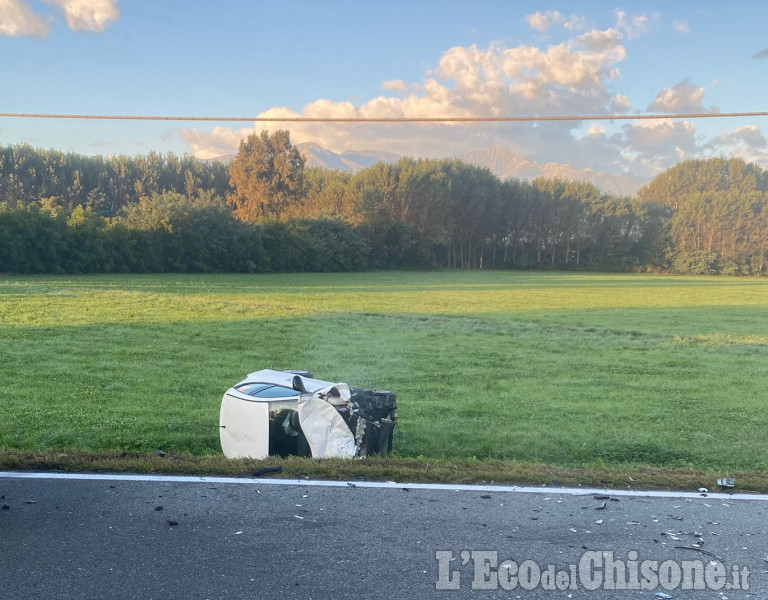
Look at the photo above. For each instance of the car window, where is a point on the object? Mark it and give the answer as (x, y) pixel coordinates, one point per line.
(252, 388)
(266, 390)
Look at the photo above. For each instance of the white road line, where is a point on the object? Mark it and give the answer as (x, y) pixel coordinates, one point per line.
(385, 484)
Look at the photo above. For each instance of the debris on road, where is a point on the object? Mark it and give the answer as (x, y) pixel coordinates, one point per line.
(602, 506)
(697, 549)
(605, 497)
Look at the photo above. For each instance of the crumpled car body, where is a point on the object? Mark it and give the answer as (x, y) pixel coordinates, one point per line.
(291, 412)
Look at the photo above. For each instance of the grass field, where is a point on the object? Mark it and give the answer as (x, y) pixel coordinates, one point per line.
(566, 370)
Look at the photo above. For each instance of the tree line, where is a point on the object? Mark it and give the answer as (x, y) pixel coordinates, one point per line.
(266, 211)
(105, 185)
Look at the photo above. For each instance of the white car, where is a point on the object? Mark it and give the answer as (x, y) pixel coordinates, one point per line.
(291, 412)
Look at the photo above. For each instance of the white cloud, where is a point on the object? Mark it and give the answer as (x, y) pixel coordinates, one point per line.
(600, 151)
(659, 144)
(654, 135)
(543, 21)
(647, 147)
(88, 15)
(396, 85)
(576, 23)
(220, 141)
(602, 41)
(568, 78)
(683, 97)
(17, 19)
(579, 65)
(631, 25)
(596, 130)
(681, 27)
(620, 104)
(747, 142)
(575, 77)
(749, 136)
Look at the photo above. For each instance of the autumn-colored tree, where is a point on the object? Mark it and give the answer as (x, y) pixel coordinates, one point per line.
(266, 176)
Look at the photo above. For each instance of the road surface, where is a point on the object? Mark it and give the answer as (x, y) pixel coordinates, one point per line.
(192, 538)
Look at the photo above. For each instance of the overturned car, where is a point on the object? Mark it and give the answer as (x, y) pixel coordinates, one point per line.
(291, 412)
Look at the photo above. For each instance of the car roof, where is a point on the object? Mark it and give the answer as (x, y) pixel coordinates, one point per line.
(285, 379)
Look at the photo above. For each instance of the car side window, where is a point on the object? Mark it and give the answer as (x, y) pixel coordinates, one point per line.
(251, 388)
(266, 390)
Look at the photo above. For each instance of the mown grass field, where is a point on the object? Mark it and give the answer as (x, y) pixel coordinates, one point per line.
(583, 371)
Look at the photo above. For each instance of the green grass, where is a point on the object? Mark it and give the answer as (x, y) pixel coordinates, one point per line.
(581, 371)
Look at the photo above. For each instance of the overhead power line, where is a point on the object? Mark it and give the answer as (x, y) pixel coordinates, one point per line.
(388, 119)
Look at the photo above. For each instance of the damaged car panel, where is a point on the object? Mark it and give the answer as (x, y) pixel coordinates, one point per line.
(291, 412)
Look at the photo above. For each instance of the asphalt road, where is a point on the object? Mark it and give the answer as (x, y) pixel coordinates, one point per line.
(112, 539)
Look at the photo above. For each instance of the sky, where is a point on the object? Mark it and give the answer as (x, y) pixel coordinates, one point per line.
(416, 58)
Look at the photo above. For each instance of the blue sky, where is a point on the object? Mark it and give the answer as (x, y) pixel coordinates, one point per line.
(417, 58)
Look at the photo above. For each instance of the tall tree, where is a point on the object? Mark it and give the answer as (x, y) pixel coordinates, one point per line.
(718, 210)
(710, 175)
(266, 175)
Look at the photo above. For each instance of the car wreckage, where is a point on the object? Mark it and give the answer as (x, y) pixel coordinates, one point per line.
(291, 412)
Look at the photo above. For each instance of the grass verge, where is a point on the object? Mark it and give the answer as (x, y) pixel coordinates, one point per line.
(510, 472)
(584, 372)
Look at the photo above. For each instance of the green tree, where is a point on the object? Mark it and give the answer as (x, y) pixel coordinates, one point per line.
(266, 176)
(328, 193)
(704, 176)
(718, 210)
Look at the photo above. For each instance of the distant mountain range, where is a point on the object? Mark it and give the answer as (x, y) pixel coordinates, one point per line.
(349, 160)
(505, 164)
(499, 159)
